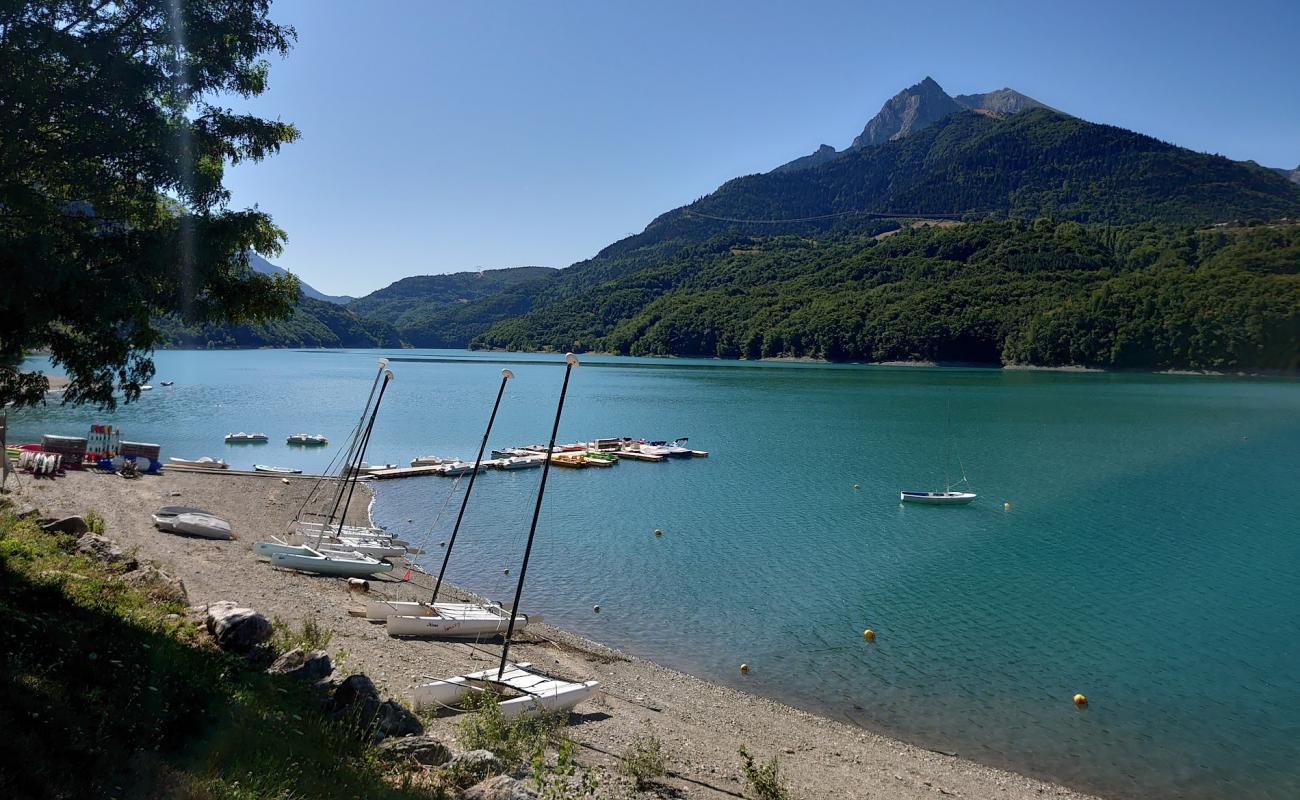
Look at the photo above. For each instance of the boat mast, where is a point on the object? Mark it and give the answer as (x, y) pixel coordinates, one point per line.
(355, 474)
(570, 361)
(464, 501)
(352, 443)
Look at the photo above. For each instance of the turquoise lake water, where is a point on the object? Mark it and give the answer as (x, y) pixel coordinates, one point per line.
(1150, 557)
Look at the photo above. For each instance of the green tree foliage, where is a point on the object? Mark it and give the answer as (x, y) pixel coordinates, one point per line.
(112, 209)
(1048, 293)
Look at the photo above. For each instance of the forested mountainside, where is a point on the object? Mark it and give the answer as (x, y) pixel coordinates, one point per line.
(1122, 210)
(411, 303)
(315, 323)
(1037, 163)
(987, 228)
(1048, 293)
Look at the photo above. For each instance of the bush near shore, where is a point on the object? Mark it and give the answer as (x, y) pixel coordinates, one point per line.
(108, 690)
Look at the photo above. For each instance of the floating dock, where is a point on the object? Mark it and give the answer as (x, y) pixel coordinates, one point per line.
(614, 446)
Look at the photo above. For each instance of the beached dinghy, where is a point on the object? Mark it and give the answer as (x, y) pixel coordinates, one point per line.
(937, 498)
(204, 462)
(449, 621)
(200, 524)
(246, 438)
(324, 563)
(524, 691)
(276, 470)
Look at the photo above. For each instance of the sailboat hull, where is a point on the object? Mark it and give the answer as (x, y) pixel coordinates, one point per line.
(542, 694)
(937, 498)
(330, 565)
(473, 621)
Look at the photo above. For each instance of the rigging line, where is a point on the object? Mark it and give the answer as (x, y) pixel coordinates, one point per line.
(355, 477)
(883, 214)
(348, 471)
(352, 441)
(506, 375)
(570, 361)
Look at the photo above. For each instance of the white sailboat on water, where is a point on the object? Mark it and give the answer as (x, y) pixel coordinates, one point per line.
(523, 691)
(948, 497)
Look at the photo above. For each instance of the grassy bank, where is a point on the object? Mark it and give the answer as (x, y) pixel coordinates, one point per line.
(107, 690)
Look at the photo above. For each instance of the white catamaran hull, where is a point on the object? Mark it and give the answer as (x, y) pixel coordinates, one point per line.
(473, 621)
(540, 693)
(381, 610)
(937, 498)
(327, 564)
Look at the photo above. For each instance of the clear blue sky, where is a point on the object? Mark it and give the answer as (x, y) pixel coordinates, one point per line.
(446, 136)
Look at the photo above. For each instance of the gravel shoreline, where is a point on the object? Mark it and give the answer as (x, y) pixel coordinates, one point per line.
(701, 725)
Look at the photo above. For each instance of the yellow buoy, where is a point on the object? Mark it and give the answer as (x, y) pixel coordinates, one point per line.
(658, 532)
(744, 669)
(596, 609)
(869, 635)
(1006, 506)
(1080, 700)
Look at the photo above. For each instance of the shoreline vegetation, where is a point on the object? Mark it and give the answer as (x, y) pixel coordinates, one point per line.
(646, 712)
(1011, 367)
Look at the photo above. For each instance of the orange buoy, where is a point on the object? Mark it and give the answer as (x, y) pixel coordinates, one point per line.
(869, 635)
(1080, 700)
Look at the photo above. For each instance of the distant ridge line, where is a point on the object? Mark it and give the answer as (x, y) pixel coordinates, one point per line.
(691, 213)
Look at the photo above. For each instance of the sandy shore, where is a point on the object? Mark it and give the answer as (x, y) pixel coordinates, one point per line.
(700, 724)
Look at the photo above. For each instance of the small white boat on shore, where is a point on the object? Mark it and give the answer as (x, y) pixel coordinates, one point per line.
(246, 438)
(193, 523)
(276, 470)
(327, 563)
(525, 691)
(937, 498)
(204, 462)
(307, 440)
(470, 621)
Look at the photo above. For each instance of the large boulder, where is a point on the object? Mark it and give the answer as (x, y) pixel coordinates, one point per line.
(304, 666)
(237, 628)
(75, 526)
(102, 548)
(157, 583)
(501, 787)
(477, 764)
(394, 719)
(357, 700)
(421, 749)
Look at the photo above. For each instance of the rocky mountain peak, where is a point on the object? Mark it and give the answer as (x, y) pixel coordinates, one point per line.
(908, 111)
(1002, 101)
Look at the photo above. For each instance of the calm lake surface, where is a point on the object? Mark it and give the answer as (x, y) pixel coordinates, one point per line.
(1150, 557)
